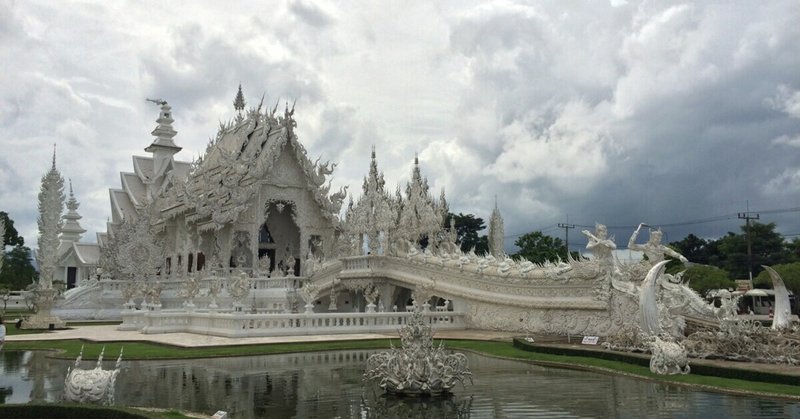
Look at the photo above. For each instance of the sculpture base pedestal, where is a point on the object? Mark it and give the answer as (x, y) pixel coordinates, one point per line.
(43, 321)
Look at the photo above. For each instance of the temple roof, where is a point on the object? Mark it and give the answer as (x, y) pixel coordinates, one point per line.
(86, 254)
(240, 159)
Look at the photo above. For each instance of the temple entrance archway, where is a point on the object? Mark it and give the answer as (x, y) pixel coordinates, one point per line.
(283, 245)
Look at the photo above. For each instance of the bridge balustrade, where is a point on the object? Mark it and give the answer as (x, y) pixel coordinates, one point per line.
(231, 324)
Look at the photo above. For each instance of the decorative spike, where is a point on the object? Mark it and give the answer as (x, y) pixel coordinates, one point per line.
(100, 358)
(261, 103)
(78, 359)
(54, 156)
(119, 358)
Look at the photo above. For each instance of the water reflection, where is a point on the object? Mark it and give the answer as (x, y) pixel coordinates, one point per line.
(329, 384)
(391, 406)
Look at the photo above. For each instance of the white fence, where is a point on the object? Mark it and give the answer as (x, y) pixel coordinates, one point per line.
(234, 324)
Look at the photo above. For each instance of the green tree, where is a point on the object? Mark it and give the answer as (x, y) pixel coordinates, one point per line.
(17, 270)
(696, 249)
(789, 272)
(467, 228)
(12, 237)
(768, 248)
(538, 248)
(793, 247)
(702, 278)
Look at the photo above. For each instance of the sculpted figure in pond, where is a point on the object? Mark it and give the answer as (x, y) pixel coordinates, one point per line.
(418, 368)
(91, 386)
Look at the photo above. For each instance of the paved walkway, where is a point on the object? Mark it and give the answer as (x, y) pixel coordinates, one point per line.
(109, 333)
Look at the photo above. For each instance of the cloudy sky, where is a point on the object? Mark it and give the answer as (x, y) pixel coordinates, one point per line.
(660, 112)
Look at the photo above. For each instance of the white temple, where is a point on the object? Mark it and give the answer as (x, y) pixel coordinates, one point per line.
(249, 240)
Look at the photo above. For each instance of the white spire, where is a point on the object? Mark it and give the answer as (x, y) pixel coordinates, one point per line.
(51, 204)
(72, 230)
(496, 232)
(163, 148)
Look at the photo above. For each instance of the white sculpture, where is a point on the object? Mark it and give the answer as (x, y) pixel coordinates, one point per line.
(309, 294)
(191, 287)
(649, 320)
(214, 288)
(653, 249)
(91, 386)
(239, 289)
(417, 368)
(496, 232)
(51, 205)
(781, 317)
(152, 292)
(601, 246)
(668, 357)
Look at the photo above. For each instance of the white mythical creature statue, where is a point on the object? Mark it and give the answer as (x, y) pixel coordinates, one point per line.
(239, 288)
(152, 294)
(668, 357)
(337, 199)
(191, 287)
(309, 293)
(321, 171)
(214, 288)
(91, 386)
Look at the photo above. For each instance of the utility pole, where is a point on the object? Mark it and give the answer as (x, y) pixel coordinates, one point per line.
(747, 217)
(566, 228)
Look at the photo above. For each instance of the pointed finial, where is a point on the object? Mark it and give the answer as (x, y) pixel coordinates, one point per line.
(70, 188)
(54, 156)
(373, 152)
(416, 159)
(238, 102)
(260, 104)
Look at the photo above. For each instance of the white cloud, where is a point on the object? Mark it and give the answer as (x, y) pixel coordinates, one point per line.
(572, 150)
(613, 112)
(786, 100)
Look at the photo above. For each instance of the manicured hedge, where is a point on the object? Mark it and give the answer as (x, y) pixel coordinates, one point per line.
(709, 370)
(66, 411)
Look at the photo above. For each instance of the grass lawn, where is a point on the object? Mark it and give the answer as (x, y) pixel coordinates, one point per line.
(12, 330)
(140, 350)
(83, 411)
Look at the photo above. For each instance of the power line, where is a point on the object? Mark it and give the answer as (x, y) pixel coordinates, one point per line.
(713, 219)
(566, 228)
(747, 217)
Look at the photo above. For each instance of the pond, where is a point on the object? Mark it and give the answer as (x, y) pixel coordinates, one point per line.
(329, 385)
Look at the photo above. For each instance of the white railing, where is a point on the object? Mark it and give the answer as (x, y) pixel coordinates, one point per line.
(354, 263)
(289, 282)
(233, 324)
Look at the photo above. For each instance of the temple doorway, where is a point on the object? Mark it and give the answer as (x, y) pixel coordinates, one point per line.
(282, 238)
